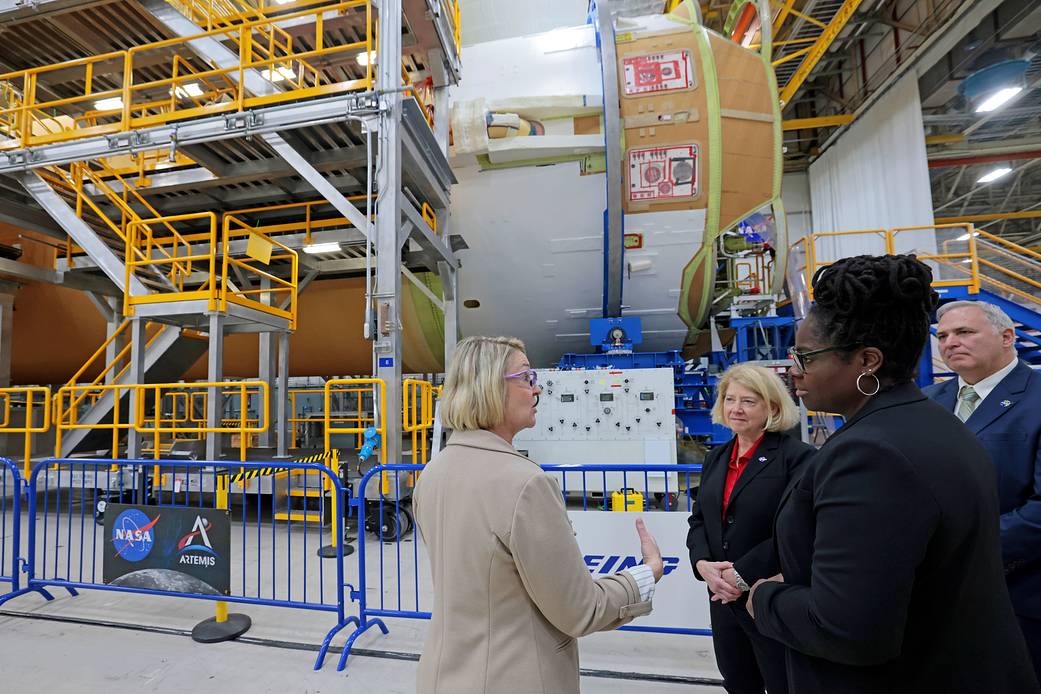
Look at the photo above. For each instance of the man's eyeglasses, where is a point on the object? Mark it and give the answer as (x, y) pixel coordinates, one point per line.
(804, 359)
(528, 375)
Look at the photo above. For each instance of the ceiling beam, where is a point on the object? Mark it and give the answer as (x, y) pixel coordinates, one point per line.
(818, 49)
(251, 171)
(982, 159)
(990, 217)
(818, 122)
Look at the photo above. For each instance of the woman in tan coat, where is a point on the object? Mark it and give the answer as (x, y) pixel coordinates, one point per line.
(511, 590)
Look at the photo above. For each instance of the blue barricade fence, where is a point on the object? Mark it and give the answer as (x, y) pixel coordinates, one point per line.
(10, 527)
(393, 557)
(272, 562)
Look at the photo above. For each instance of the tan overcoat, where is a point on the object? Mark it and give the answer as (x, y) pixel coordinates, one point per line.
(511, 589)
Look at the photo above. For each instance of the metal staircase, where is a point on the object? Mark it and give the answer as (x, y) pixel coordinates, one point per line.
(169, 353)
(968, 264)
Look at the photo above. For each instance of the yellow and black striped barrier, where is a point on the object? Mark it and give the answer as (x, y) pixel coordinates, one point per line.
(329, 458)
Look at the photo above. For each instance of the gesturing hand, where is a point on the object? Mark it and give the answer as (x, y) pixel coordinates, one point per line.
(712, 572)
(649, 548)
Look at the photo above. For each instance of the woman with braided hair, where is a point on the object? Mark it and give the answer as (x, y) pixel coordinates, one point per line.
(891, 577)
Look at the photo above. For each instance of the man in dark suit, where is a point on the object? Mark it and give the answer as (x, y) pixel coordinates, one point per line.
(998, 396)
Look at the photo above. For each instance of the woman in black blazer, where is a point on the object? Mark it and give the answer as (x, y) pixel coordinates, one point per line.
(889, 550)
(731, 524)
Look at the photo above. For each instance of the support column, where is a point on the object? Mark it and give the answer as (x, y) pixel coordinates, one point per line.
(117, 345)
(613, 248)
(282, 391)
(6, 336)
(266, 373)
(214, 374)
(387, 344)
(442, 110)
(135, 374)
(449, 283)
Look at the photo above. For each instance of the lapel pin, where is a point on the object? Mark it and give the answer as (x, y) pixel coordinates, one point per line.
(1006, 403)
(762, 459)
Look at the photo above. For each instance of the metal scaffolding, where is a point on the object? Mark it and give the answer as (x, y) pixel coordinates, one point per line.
(306, 102)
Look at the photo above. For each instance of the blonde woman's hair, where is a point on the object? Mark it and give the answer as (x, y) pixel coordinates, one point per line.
(768, 386)
(474, 396)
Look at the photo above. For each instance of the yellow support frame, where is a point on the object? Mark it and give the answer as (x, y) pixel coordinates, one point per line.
(20, 121)
(819, 48)
(819, 122)
(417, 415)
(374, 384)
(888, 236)
(32, 397)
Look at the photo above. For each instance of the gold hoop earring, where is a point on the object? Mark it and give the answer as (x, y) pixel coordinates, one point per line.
(878, 384)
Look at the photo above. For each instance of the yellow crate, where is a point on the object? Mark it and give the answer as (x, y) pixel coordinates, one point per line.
(627, 500)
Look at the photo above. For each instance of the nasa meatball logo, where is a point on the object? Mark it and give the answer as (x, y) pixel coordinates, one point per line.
(133, 535)
(195, 548)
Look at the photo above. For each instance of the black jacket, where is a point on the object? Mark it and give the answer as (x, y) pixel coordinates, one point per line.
(892, 562)
(745, 537)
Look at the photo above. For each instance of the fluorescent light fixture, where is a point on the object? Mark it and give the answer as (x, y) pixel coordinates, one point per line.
(316, 248)
(112, 104)
(965, 237)
(186, 90)
(998, 99)
(282, 72)
(967, 260)
(364, 58)
(994, 174)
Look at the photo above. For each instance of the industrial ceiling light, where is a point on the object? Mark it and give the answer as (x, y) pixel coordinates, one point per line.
(965, 237)
(280, 73)
(998, 99)
(114, 103)
(993, 86)
(994, 174)
(186, 90)
(317, 248)
(366, 57)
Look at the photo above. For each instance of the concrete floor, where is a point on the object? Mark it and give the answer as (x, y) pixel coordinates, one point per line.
(58, 657)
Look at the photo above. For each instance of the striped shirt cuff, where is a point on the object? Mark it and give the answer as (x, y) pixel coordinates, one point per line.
(644, 577)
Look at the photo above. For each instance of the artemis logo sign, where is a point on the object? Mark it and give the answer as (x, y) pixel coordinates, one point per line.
(195, 548)
(604, 564)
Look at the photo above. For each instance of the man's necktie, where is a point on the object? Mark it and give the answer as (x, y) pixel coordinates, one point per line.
(968, 398)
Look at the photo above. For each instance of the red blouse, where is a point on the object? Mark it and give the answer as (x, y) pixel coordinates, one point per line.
(735, 468)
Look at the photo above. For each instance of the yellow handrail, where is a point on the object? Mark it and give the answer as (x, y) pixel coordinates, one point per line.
(889, 238)
(375, 384)
(156, 425)
(417, 415)
(123, 354)
(32, 397)
(140, 253)
(261, 43)
(359, 419)
(235, 227)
